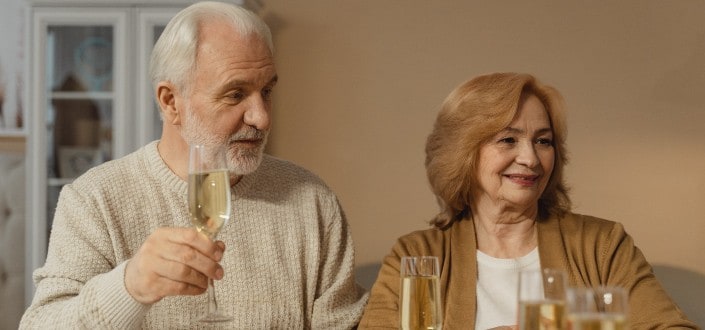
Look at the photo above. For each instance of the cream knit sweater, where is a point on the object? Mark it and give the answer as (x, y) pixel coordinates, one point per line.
(288, 261)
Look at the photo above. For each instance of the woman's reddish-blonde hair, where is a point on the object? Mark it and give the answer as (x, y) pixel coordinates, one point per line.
(474, 112)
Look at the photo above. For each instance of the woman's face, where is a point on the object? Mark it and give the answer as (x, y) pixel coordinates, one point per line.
(515, 165)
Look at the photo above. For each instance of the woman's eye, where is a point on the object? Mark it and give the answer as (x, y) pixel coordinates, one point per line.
(509, 140)
(544, 141)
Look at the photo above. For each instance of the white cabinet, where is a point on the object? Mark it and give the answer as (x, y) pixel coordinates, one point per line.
(89, 97)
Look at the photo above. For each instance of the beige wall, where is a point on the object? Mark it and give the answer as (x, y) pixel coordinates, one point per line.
(361, 81)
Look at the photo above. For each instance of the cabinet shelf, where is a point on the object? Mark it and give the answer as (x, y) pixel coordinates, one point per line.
(82, 95)
(58, 182)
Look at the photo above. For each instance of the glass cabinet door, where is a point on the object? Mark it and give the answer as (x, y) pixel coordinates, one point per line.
(76, 105)
(79, 102)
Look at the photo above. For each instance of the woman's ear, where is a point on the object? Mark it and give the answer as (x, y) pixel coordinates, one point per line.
(167, 96)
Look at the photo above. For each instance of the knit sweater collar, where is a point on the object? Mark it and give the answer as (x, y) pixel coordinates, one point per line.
(164, 174)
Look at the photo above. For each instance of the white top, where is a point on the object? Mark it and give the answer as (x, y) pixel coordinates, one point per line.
(497, 285)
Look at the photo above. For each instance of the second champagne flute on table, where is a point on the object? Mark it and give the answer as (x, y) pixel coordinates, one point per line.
(209, 204)
(542, 299)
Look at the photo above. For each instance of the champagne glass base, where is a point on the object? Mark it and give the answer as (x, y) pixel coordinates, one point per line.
(215, 318)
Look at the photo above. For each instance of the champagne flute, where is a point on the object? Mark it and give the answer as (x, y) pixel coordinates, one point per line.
(613, 304)
(209, 204)
(601, 308)
(542, 299)
(420, 299)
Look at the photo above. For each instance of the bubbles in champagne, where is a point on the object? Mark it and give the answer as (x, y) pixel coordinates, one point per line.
(420, 303)
(209, 201)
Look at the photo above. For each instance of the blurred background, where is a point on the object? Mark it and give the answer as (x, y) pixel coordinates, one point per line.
(361, 83)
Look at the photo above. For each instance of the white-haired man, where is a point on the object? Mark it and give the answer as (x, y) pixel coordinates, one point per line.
(122, 252)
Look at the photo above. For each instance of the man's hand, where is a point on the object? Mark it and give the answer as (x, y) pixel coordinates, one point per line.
(173, 261)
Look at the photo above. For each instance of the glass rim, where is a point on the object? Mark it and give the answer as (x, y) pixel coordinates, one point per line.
(419, 266)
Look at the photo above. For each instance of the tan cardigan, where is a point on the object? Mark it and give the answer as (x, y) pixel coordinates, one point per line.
(593, 252)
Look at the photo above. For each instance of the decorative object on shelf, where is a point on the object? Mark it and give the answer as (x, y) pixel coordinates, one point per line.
(74, 161)
(93, 59)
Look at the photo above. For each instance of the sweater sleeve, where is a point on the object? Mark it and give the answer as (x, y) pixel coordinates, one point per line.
(80, 285)
(649, 304)
(339, 300)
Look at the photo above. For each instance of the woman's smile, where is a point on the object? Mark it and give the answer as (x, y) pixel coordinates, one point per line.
(523, 179)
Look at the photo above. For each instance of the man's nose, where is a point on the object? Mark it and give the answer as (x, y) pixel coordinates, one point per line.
(257, 113)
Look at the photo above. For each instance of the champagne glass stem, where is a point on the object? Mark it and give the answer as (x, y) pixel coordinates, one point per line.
(212, 303)
(213, 314)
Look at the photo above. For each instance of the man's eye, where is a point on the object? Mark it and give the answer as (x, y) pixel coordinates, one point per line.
(237, 95)
(267, 93)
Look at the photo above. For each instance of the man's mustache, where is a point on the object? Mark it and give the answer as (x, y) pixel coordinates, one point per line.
(249, 134)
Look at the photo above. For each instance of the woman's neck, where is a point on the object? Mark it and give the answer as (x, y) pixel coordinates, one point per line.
(505, 234)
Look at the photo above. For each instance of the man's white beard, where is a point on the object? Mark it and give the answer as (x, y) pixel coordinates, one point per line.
(241, 161)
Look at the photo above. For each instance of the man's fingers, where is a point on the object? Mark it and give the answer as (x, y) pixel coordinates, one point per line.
(168, 287)
(148, 281)
(173, 261)
(198, 241)
(184, 260)
(221, 246)
(178, 272)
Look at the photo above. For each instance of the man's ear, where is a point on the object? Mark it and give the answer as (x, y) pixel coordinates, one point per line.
(168, 100)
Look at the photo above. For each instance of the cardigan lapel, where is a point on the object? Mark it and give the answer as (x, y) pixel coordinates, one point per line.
(552, 249)
(460, 276)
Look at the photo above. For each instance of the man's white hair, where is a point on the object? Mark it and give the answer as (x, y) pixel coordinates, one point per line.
(174, 55)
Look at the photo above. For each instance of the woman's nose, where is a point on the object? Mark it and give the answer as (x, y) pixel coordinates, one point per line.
(527, 155)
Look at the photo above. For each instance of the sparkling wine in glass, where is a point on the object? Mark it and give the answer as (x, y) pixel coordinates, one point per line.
(420, 298)
(601, 308)
(209, 204)
(542, 299)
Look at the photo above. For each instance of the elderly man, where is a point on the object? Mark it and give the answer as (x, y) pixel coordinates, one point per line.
(122, 252)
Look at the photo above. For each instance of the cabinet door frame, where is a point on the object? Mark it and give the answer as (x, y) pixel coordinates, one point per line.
(41, 19)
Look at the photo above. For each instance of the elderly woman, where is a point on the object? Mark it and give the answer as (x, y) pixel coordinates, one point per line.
(495, 162)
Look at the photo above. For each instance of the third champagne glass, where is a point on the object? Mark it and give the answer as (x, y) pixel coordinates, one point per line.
(209, 204)
(601, 308)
